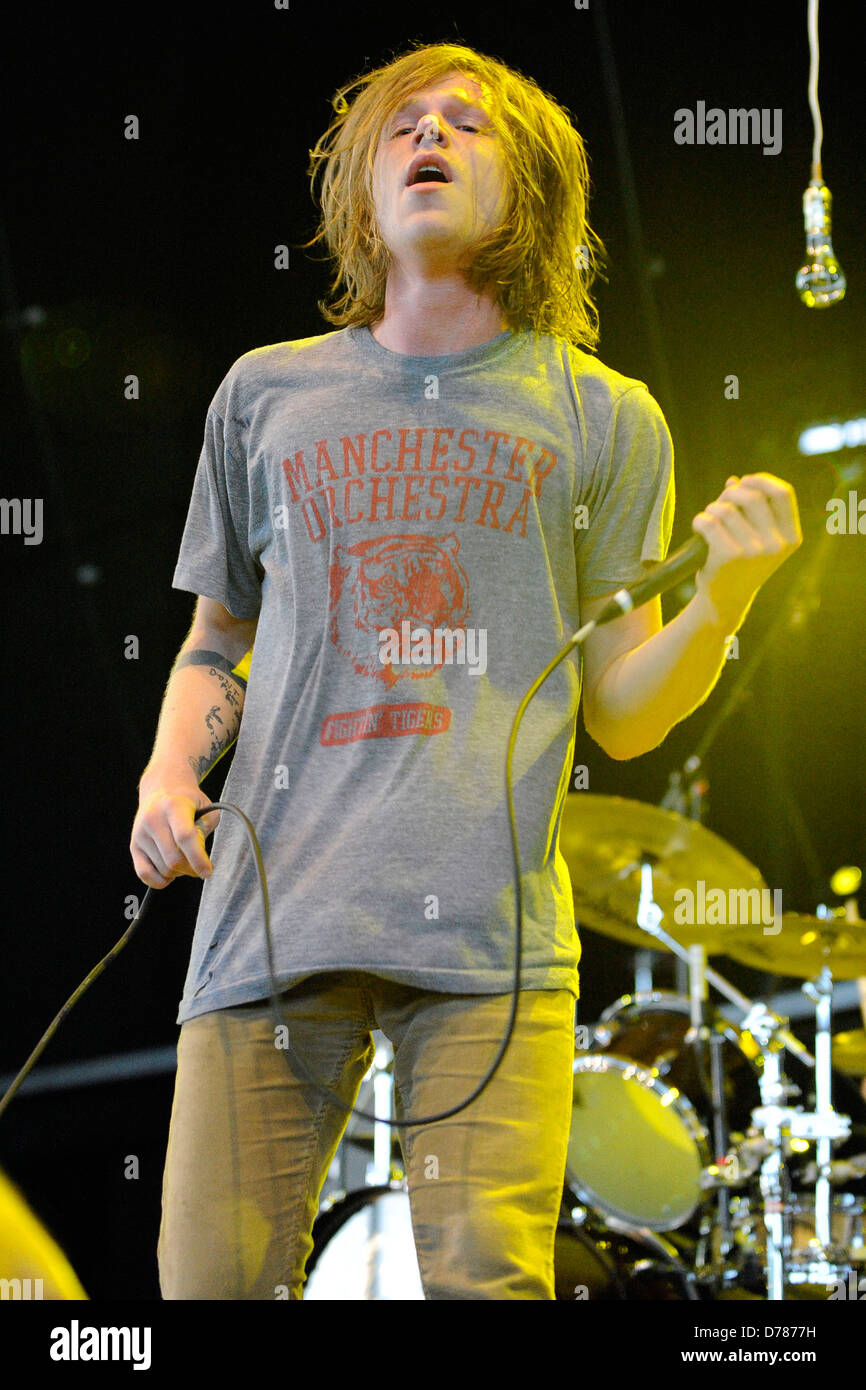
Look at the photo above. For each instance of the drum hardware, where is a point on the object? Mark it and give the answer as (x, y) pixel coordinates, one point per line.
(627, 862)
(379, 1171)
(686, 800)
(810, 1270)
(821, 991)
(643, 972)
(685, 1275)
(721, 1140)
(806, 1242)
(703, 1036)
(778, 1123)
(602, 1261)
(728, 1173)
(652, 917)
(667, 1256)
(840, 1170)
(805, 945)
(771, 1118)
(369, 1153)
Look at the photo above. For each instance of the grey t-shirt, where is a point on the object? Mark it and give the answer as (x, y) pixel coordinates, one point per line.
(348, 496)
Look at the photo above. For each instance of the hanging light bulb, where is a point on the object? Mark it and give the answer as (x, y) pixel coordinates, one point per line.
(820, 281)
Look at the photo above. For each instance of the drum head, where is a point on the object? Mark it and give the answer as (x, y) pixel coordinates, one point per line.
(364, 1249)
(636, 1148)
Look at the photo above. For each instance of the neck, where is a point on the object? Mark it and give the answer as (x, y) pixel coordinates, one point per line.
(430, 317)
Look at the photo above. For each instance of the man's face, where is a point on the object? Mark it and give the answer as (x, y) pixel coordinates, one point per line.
(428, 224)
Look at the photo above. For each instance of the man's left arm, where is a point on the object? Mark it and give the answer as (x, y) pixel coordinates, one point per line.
(640, 678)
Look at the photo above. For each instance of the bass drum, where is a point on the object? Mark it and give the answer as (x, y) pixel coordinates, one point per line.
(363, 1249)
(639, 1141)
(595, 1263)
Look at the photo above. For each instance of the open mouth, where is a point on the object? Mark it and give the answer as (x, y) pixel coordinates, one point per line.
(428, 175)
(427, 169)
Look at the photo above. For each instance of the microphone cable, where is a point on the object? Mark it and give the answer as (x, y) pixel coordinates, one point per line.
(689, 558)
(274, 1000)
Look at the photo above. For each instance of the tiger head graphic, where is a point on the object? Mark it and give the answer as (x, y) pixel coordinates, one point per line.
(379, 584)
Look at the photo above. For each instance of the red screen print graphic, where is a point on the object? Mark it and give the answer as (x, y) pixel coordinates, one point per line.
(381, 583)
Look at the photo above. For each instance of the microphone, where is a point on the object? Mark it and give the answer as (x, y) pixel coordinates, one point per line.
(683, 563)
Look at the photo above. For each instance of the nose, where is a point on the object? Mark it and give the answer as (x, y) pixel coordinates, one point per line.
(429, 128)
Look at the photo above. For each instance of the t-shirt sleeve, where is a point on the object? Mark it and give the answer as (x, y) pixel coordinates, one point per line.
(215, 558)
(629, 498)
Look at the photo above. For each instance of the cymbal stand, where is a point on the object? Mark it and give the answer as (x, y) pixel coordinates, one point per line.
(774, 1119)
(702, 1036)
(649, 916)
(643, 971)
(686, 794)
(829, 1125)
(379, 1170)
(780, 1123)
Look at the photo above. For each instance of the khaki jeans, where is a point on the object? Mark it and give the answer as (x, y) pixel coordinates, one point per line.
(250, 1141)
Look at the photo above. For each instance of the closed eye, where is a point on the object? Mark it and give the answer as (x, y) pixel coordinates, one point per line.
(403, 129)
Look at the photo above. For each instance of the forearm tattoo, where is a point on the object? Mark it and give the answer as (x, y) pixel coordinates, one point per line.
(215, 659)
(222, 722)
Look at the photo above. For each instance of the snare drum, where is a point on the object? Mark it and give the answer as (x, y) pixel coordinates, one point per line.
(810, 1270)
(808, 1266)
(639, 1137)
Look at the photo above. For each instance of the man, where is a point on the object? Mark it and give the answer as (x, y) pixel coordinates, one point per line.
(416, 472)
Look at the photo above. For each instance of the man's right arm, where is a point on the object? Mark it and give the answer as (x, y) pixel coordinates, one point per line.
(200, 718)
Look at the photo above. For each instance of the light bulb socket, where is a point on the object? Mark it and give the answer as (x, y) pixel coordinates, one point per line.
(817, 207)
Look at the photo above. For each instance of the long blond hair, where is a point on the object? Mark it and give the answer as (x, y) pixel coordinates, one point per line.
(539, 264)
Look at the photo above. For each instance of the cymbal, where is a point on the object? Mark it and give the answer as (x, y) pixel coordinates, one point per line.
(604, 838)
(803, 946)
(849, 1052)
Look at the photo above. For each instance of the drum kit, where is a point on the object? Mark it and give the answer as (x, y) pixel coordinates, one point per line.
(685, 1137)
(692, 1172)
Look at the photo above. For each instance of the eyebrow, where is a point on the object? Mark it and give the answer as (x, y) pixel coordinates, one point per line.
(453, 99)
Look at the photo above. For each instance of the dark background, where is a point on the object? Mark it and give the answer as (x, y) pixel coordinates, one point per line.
(156, 257)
